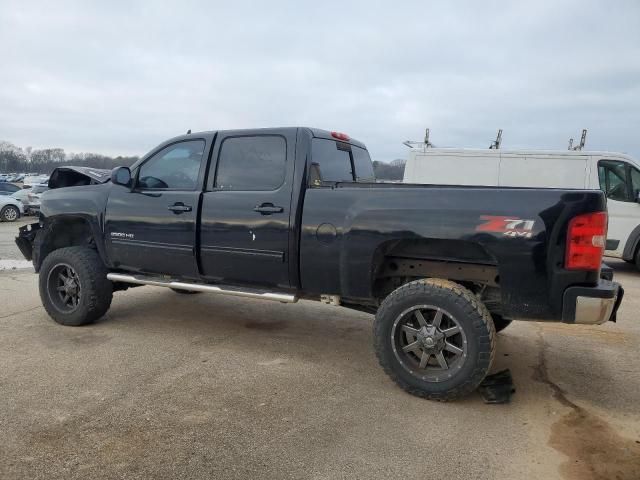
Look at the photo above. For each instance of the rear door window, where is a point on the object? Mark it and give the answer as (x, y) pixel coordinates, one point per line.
(252, 163)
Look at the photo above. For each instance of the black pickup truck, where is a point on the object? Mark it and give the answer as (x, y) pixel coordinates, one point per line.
(295, 213)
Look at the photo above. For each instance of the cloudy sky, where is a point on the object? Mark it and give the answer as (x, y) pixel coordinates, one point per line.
(120, 77)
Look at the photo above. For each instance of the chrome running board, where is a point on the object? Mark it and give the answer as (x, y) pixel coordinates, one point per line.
(203, 287)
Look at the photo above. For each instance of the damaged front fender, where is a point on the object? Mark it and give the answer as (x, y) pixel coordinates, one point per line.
(26, 238)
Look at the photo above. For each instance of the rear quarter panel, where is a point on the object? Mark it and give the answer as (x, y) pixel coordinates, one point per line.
(368, 217)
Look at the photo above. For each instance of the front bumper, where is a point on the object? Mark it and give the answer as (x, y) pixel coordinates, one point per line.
(592, 305)
(25, 239)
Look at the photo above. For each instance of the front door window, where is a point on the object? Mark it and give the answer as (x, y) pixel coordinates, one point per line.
(614, 180)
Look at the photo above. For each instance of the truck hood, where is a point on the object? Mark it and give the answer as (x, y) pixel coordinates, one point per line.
(69, 176)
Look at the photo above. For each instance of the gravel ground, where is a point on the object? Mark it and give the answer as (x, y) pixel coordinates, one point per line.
(200, 386)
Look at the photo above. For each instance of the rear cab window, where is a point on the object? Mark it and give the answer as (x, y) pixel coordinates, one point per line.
(334, 161)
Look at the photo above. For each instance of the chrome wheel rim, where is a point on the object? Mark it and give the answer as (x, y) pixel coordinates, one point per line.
(10, 214)
(429, 343)
(63, 286)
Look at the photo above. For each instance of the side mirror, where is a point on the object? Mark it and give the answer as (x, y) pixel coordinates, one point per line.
(121, 176)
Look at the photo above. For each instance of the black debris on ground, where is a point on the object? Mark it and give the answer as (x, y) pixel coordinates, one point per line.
(497, 388)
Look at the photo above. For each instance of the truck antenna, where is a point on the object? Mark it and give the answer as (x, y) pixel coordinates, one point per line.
(583, 141)
(497, 142)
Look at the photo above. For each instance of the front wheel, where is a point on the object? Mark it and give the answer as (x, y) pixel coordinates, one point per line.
(434, 339)
(73, 286)
(9, 214)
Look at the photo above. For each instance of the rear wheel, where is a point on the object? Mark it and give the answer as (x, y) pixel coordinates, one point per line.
(73, 286)
(434, 339)
(9, 214)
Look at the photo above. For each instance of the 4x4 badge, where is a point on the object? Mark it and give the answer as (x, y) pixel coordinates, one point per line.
(508, 226)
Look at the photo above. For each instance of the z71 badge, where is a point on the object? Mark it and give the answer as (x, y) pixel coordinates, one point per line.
(509, 226)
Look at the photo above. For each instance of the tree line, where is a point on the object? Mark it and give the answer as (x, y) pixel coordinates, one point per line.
(14, 159)
(389, 171)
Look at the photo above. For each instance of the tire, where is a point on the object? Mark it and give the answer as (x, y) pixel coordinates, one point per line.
(87, 288)
(636, 259)
(398, 319)
(500, 323)
(184, 292)
(9, 214)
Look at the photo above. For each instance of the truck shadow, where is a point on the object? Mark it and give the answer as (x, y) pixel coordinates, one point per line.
(306, 334)
(621, 266)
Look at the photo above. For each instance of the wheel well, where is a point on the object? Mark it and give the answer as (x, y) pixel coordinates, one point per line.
(464, 262)
(70, 232)
(632, 244)
(14, 205)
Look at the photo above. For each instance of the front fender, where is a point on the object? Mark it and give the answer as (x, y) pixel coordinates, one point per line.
(61, 212)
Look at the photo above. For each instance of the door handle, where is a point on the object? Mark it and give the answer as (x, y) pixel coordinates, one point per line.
(179, 208)
(268, 209)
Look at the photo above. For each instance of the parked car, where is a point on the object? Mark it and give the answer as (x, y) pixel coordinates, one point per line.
(617, 174)
(30, 197)
(22, 195)
(35, 179)
(289, 213)
(34, 195)
(7, 188)
(10, 208)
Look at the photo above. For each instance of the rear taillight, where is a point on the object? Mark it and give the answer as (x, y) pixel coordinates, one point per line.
(586, 239)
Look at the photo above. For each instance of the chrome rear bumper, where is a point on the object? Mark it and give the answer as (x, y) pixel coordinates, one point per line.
(592, 305)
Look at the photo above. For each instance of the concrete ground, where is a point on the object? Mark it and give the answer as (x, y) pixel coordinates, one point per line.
(199, 386)
(10, 256)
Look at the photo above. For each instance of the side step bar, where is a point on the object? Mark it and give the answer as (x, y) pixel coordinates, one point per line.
(203, 287)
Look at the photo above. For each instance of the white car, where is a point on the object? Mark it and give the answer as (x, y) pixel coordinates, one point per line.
(35, 179)
(10, 208)
(617, 174)
(33, 197)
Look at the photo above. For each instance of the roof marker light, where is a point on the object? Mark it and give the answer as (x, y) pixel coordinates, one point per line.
(340, 136)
